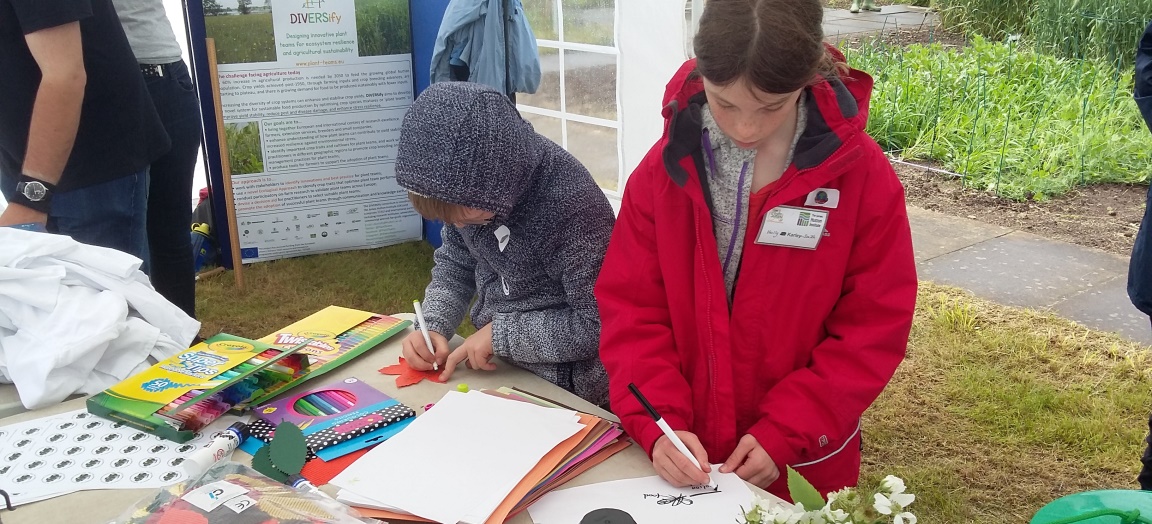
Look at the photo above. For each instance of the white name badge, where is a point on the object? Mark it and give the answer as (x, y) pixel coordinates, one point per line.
(789, 226)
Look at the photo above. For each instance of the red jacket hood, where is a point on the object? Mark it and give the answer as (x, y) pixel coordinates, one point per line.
(837, 109)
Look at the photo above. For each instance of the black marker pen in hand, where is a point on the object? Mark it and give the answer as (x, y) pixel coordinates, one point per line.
(672, 436)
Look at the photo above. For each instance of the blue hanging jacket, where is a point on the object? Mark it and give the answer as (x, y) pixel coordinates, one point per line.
(470, 35)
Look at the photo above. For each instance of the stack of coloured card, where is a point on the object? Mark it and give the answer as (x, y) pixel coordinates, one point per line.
(333, 336)
(604, 440)
(336, 419)
(530, 445)
(180, 395)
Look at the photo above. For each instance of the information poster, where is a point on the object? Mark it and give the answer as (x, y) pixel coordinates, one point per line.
(313, 93)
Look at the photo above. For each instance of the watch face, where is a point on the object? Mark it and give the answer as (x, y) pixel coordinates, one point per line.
(35, 191)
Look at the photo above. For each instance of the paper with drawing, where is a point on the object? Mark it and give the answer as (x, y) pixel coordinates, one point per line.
(648, 499)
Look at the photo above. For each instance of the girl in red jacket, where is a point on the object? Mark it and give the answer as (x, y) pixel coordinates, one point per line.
(760, 283)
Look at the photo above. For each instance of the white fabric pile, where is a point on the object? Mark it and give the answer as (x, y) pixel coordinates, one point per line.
(76, 318)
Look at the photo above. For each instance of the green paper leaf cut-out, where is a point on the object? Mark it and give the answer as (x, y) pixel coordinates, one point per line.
(261, 463)
(288, 449)
(803, 492)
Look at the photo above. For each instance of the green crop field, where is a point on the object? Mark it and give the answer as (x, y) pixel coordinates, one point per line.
(244, 154)
(242, 39)
(382, 27)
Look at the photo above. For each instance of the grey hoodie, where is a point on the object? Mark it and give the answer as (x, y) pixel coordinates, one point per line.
(533, 267)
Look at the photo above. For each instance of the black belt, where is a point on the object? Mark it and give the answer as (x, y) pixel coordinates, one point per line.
(152, 70)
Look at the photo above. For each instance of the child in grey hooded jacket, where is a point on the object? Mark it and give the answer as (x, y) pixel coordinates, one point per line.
(525, 231)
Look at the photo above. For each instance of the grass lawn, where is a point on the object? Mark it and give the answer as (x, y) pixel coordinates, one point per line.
(996, 411)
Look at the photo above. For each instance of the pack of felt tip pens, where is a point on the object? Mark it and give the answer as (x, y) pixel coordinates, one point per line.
(180, 395)
(333, 336)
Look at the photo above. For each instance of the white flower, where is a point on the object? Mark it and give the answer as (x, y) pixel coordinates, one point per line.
(892, 484)
(886, 505)
(761, 503)
(904, 518)
(784, 513)
(836, 516)
(836, 494)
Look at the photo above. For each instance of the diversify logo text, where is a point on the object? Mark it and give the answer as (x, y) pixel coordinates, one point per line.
(314, 17)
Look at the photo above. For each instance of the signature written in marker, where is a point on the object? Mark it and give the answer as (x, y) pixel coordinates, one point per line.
(681, 499)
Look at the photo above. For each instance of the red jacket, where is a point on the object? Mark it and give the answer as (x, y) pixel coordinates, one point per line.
(813, 336)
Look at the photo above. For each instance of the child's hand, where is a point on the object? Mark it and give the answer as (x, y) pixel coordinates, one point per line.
(476, 349)
(752, 463)
(418, 355)
(674, 467)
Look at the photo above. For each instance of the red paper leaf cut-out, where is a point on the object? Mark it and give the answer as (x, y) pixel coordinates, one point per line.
(408, 376)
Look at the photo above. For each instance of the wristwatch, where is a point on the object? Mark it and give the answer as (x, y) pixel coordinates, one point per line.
(33, 193)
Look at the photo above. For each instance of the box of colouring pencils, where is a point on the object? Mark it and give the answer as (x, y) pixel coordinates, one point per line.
(336, 419)
(180, 395)
(333, 336)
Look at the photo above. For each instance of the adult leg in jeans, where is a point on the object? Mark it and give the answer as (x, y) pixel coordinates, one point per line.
(170, 189)
(1140, 291)
(112, 214)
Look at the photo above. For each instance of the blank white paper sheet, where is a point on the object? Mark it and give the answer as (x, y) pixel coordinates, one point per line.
(648, 499)
(458, 461)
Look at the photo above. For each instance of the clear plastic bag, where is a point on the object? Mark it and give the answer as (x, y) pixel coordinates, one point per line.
(232, 493)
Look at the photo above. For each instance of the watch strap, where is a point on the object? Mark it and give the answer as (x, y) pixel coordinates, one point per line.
(43, 205)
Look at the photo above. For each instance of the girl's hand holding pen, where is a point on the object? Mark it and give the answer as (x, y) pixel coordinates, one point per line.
(674, 467)
(419, 355)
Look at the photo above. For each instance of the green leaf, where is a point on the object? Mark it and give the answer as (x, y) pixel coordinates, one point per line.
(803, 492)
(288, 450)
(262, 463)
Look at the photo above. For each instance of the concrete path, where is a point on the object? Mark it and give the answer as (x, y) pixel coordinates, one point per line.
(1022, 269)
(840, 24)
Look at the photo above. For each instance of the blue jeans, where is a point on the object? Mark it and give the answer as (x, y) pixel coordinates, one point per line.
(1140, 267)
(112, 214)
(170, 188)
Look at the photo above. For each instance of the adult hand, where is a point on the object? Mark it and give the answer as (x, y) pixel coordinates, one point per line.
(17, 214)
(476, 350)
(751, 463)
(674, 467)
(419, 355)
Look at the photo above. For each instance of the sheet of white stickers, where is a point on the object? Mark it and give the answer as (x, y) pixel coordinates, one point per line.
(61, 454)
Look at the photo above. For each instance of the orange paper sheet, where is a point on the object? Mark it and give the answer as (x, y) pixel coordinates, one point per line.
(587, 464)
(542, 469)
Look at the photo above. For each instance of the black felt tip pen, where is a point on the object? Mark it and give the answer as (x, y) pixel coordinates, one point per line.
(668, 430)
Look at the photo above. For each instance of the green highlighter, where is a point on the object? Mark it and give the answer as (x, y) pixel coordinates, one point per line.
(307, 408)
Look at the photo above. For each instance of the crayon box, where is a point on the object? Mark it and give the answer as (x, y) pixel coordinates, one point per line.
(180, 395)
(336, 419)
(332, 336)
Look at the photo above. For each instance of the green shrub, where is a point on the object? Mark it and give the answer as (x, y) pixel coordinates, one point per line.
(993, 19)
(1097, 29)
(1013, 121)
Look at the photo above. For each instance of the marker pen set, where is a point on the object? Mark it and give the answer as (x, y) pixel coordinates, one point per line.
(324, 403)
(226, 373)
(180, 395)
